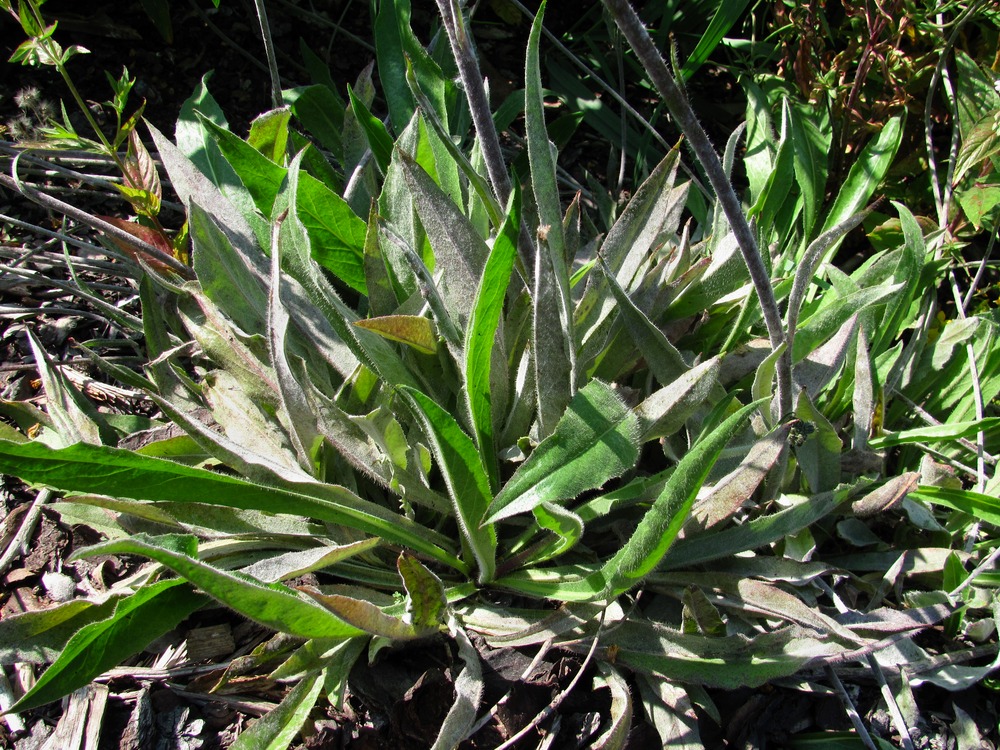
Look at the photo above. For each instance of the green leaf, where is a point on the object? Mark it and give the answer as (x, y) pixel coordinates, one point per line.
(269, 134)
(138, 620)
(701, 548)
(273, 605)
(378, 137)
(663, 521)
(866, 174)
(412, 330)
(664, 412)
(554, 348)
(468, 484)
(321, 113)
(459, 251)
(37, 636)
(481, 340)
(365, 616)
(426, 603)
(727, 13)
(596, 440)
(278, 728)
(336, 233)
(111, 471)
(976, 504)
(259, 174)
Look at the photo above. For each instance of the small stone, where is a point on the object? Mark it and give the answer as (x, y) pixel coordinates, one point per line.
(59, 586)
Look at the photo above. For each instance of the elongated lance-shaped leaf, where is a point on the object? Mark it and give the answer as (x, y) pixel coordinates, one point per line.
(137, 621)
(465, 477)
(121, 473)
(273, 605)
(865, 175)
(663, 521)
(459, 251)
(279, 727)
(376, 353)
(303, 432)
(554, 340)
(481, 337)
(665, 410)
(597, 439)
(476, 181)
(413, 330)
(379, 140)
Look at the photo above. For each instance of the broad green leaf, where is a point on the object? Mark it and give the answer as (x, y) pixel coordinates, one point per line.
(376, 353)
(984, 507)
(866, 174)
(379, 140)
(278, 728)
(273, 605)
(294, 564)
(259, 174)
(426, 602)
(192, 138)
(111, 471)
(321, 113)
(394, 42)
(780, 182)
(459, 251)
(832, 316)
(554, 348)
(595, 440)
(138, 620)
(565, 525)
(811, 144)
(819, 455)
(481, 338)
(336, 233)
(465, 477)
(760, 139)
(412, 330)
(665, 362)
(976, 93)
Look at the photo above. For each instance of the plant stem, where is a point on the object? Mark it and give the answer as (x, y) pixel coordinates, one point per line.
(472, 81)
(272, 60)
(638, 38)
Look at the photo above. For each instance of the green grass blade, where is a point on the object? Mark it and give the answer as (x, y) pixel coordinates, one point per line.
(468, 484)
(976, 504)
(137, 621)
(597, 439)
(727, 13)
(481, 337)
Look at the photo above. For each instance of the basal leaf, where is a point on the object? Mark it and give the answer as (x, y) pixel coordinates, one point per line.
(137, 621)
(269, 134)
(273, 605)
(321, 113)
(365, 616)
(596, 440)
(426, 603)
(278, 728)
(666, 410)
(468, 484)
(379, 140)
(336, 233)
(663, 521)
(481, 338)
(110, 471)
